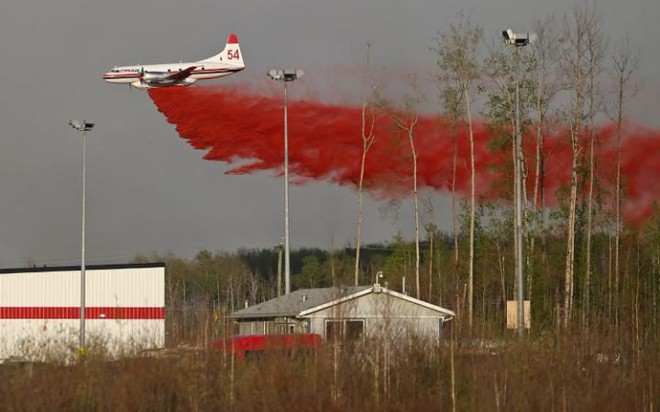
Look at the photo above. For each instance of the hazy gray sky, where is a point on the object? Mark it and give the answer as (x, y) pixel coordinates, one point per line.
(147, 189)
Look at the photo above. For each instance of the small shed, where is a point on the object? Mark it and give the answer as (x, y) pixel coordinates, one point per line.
(347, 312)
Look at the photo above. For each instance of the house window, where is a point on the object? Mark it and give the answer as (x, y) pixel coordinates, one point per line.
(349, 329)
(354, 329)
(285, 327)
(332, 330)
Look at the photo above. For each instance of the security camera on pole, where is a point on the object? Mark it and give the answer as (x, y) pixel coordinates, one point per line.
(518, 40)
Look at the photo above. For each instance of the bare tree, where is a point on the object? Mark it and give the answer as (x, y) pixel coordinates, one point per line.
(453, 107)
(574, 66)
(458, 62)
(544, 60)
(570, 249)
(368, 138)
(406, 123)
(499, 83)
(595, 54)
(431, 231)
(545, 56)
(625, 62)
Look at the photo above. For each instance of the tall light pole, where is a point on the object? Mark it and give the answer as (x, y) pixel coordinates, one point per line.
(518, 40)
(286, 76)
(83, 126)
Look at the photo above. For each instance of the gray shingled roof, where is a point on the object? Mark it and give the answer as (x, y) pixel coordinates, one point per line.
(294, 303)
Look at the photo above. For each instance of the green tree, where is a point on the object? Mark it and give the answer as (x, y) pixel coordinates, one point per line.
(459, 69)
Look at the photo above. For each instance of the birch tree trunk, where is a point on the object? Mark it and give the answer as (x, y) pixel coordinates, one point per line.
(468, 109)
(570, 243)
(545, 58)
(407, 122)
(573, 63)
(625, 64)
(411, 139)
(368, 138)
(595, 50)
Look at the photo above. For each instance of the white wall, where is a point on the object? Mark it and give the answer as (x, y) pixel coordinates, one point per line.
(384, 315)
(39, 310)
(55, 338)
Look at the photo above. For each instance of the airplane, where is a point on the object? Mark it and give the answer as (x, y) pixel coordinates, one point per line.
(228, 61)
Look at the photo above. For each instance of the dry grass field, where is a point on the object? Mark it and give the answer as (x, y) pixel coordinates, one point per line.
(570, 372)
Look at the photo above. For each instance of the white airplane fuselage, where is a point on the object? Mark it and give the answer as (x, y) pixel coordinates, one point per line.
(181, 74)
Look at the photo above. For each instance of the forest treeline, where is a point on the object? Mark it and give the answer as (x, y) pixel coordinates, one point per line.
(221, 282)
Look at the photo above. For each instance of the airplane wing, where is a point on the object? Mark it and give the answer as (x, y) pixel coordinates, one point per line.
(180, 75)
(166, 78)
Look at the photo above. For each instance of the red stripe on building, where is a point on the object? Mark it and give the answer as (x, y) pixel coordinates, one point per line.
(73, 312)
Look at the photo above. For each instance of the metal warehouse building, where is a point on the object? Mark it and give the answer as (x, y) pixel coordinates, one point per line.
(40, 308)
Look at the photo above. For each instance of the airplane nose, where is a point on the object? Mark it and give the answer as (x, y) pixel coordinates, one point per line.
(108, 77)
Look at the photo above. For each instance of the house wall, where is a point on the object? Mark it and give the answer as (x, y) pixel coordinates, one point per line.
(383, 315)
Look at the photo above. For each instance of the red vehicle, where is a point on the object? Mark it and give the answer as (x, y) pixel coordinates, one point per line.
(248, 346)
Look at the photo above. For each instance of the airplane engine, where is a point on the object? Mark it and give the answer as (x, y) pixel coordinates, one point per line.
(140, 85)
(146, 76)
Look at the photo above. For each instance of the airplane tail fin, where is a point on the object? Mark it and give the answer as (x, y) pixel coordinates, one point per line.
(231, 54)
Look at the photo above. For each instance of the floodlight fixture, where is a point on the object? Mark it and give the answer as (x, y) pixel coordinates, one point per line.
(82, 125)
(518, 39)
(285, 75)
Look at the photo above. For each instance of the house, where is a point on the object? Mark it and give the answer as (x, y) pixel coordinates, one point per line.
(348, 312)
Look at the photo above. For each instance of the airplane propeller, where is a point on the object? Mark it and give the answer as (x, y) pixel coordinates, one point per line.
(142, 72)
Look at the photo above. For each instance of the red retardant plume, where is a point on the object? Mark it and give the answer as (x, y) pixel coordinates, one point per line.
(245, 130)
